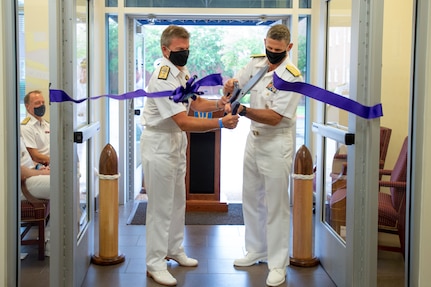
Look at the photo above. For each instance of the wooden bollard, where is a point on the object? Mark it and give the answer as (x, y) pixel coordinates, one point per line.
(302, 216)
(108, 210)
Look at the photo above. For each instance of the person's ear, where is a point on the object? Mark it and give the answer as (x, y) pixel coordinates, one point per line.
(289, 47)
(165, 51)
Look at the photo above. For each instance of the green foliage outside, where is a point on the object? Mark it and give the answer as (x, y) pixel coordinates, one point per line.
(213, 49)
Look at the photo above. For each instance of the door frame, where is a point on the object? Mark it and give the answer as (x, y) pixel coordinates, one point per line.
(10, 179)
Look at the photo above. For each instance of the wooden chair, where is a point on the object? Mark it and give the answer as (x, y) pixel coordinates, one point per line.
(34, 212)
(340, 157)
(337, 201)
(392, 205)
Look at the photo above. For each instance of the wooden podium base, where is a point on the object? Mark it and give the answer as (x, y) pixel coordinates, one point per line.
(206, 205)
(304, 262)
(96, 259)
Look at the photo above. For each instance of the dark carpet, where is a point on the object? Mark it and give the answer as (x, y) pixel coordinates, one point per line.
(232, 217)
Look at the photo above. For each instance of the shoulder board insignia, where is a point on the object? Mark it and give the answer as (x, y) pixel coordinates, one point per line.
(164, 73)
(257, 56)
(25, 121)
(293, 70)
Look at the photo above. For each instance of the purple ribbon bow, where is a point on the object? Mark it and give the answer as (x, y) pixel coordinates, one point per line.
(329, 98)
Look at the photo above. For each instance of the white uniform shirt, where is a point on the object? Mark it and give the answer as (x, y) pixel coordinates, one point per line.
(25, 156)
(158, 111)
(265, 96)
(36, 134)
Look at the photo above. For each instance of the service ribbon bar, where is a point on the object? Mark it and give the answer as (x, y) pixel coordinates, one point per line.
(180, 94)
(329, 98)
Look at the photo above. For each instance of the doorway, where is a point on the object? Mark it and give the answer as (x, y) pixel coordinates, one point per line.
(229, 49)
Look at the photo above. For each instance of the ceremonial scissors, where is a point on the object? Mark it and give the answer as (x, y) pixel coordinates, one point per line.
(238, 93)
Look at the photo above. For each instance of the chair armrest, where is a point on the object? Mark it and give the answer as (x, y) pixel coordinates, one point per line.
(37, 203)
(385, 171)
(340, 156)
(396, 184)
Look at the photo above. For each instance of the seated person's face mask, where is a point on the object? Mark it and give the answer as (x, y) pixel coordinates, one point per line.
(39, 111)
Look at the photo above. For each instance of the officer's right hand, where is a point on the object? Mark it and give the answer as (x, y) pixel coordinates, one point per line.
(230, 121)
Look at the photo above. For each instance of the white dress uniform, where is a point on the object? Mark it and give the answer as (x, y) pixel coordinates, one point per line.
(267, 164)
(36, 134)
(163, 148)
(38, 185)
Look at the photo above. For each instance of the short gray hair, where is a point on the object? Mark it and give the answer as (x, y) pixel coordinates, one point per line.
(279, 32)
(171, 32)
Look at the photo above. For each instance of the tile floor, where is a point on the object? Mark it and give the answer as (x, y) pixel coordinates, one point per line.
(215, 247)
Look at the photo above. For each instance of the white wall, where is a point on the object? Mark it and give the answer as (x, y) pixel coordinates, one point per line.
(396, 71)
(424, 247)
(37, 48)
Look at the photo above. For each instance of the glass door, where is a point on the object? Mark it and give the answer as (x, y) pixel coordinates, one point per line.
(337, 81)
(72, 131)
(331, 188)
(347, 163)
(140, 79)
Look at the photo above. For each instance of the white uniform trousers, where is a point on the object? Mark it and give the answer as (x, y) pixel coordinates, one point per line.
(38, 186)
(266, 206)
(164, 168)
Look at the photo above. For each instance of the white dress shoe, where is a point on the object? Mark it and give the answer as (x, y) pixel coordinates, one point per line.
(47, 248)
(276, 277)
(162, 277)
(183, 260)
(250, 259)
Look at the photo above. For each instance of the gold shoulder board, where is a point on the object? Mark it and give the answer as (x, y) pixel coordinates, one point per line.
(25, 121)
(257, 56)
(164, 73)
(293, 70)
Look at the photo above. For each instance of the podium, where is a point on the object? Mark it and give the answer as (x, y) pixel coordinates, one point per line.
(203, 169)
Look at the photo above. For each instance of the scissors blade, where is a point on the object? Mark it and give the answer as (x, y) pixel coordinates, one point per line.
(250, 84)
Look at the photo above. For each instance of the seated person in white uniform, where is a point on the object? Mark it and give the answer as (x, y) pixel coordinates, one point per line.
(34, 129)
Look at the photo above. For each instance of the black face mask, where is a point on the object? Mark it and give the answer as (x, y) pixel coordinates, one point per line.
(275, 58)
(39, 111)
(179, 58)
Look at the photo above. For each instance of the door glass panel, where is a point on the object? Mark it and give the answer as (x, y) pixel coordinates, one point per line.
(337, 81)
(210, 4)
(335, 186)
(82, 112)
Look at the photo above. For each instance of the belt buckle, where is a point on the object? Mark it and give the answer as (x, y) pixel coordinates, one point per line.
(255, 133)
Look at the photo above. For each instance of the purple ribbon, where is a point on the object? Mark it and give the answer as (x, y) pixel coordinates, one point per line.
(180, 94)
(329, 98)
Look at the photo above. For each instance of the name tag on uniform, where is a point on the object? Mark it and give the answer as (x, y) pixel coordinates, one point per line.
(271, 87)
